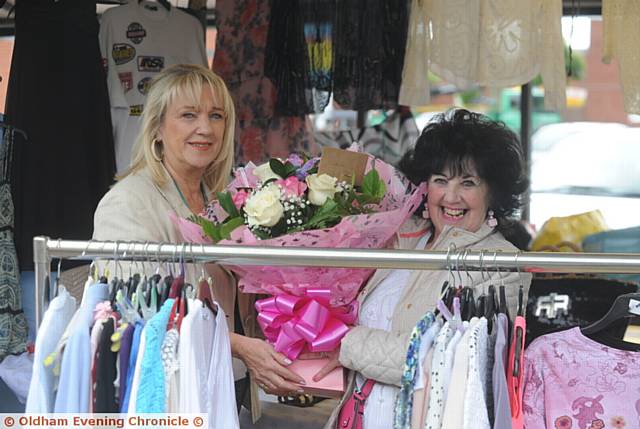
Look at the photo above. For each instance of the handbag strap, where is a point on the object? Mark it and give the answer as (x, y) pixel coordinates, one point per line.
(350, 416)
(363, 394)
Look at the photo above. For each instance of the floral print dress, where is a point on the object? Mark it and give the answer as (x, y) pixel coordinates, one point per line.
(239, 59)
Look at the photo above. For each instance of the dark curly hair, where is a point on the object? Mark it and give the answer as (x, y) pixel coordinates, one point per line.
(457, 137)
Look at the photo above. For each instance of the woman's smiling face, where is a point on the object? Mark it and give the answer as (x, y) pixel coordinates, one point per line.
(461, 201)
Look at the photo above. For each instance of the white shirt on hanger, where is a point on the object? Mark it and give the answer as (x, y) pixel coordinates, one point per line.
(41, 390)
(475, 404)
(206, 373)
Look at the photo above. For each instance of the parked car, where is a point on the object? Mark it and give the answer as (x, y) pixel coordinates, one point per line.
(507, 109)
(596, 167)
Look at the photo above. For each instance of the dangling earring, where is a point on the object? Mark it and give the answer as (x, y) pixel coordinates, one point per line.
(425, 212)
(491, 221)
(155, 156)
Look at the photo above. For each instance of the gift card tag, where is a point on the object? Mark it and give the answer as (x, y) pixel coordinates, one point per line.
(634, 306)
(343, 164)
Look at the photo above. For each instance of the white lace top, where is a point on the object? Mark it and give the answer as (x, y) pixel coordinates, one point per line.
(475, 404)
(496, 43)
(621, 34)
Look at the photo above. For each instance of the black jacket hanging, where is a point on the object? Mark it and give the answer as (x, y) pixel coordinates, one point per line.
(57, 94)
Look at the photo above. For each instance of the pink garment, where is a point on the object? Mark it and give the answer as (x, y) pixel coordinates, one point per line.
(573, 382)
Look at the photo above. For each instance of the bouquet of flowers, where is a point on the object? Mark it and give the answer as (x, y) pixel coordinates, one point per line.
(292, 203)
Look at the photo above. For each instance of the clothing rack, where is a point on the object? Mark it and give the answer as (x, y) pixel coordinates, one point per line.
(45, 248)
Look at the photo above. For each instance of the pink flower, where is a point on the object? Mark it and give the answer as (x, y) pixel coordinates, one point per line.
(239, 198)
(292, 186)
(563, 422)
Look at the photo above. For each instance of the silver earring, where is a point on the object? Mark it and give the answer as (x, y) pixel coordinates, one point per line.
(491, 220)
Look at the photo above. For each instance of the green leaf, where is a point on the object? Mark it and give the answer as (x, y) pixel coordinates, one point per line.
(372, 187)
(218, 231)
(278, 167)
(227, 227)
(290, 169)
(211, 229)
(327, 213)
(226, 202)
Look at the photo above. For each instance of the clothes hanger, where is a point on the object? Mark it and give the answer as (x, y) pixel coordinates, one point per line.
(13, 130)
(624, 307)
(116, 283)
(178, 282)
(519, 325)
(164, 3)
(204, 291)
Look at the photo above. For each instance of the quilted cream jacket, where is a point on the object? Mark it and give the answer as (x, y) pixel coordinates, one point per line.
(380, 355)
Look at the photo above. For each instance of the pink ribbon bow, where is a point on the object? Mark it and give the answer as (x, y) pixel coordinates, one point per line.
(292, 322)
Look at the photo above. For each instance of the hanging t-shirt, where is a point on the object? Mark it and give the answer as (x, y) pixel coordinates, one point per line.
(572, 381)
(137, 41)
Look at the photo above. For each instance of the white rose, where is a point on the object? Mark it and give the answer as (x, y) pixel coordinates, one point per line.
(264, 172)
(321, 187)
(264, 207)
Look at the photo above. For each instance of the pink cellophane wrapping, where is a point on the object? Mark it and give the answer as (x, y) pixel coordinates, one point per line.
(366, 231)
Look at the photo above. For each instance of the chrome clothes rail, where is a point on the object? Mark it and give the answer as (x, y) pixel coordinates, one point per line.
(45, 249)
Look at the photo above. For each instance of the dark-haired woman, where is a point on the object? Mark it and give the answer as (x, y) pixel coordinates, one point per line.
(474, 171)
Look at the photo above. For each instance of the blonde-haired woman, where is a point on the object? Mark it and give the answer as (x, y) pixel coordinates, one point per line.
(182, 157)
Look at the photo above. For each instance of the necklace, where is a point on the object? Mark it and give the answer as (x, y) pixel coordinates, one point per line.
(184, 200)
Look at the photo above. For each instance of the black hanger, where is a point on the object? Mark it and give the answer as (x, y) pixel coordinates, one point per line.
(520, 301)
(164, 3)
(467, 303)
(502, 306)
(114, 287)
(619, 311)
(13, 130)
(481, 303)
(489, 309)
(490, 303)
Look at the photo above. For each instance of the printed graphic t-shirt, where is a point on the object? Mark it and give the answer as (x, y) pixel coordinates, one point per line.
(137, 41)
(573, 382)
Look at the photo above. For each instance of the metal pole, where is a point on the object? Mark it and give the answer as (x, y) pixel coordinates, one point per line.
(41, 263)
(526, 107)
(351, 258)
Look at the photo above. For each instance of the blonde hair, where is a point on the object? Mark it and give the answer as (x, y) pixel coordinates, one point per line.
(182, 80)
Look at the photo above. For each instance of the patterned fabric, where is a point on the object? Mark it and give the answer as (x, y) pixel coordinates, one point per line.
(404, 401)
(438, 377)
(171, 365)
(573, 382)
(299, 54)
(239, 60)
(13, 324)
(151, 391)
(475, 404)
(388, 140)
(368, 56)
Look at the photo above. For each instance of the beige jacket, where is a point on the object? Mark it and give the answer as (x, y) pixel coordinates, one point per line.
(136, 209)
(380, 355)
